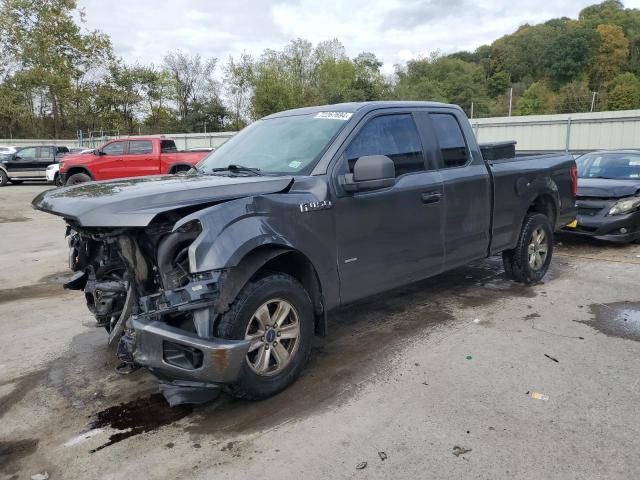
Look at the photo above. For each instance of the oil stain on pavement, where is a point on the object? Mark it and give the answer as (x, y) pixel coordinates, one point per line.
(137, 416)
(620, 319)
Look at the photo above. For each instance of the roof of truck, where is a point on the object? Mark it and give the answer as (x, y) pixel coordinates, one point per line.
(353, 107)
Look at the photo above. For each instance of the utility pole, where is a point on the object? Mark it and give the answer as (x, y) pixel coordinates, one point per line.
(593, 100)
(471, 110)
(205, 126)
(510, 99)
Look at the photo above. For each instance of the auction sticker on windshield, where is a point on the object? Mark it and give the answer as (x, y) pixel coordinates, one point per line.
(334, 115)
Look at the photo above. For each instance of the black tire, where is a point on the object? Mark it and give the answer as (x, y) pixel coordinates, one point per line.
(77, 178)
(516, 261)
(181, 170)
(234, 323)
(4, 179)
(16, 182)
(57, 180)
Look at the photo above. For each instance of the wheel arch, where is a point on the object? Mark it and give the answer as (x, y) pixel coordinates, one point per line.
(78, 169)
(176, 167)
(546, 204)
(275, 258)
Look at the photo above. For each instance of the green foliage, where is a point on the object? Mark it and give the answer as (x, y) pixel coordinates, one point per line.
(302, 75)
(574, 97)
(537, 99)
(498, 84)
(570, 54)
(442, 79)
(624, 92)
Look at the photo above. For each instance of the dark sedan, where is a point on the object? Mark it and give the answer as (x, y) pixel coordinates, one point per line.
(608, 196)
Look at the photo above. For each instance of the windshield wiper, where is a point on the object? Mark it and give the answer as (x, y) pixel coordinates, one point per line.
(234, 167)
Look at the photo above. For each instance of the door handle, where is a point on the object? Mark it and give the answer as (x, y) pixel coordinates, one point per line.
(431, 197)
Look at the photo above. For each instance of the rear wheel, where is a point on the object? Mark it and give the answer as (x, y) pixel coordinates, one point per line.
(57, 180)
(77, 178)
(529, 261)
(4, 179)
(275, 313)
(181, 170)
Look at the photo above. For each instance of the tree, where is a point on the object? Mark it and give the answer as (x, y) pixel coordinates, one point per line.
(498, 83)
(537, 99)
(121, 96)
(612, 55)
(191, 77)
(570, 54)
(50, 54)
(238, 86)
(624, 92)
(575, 97)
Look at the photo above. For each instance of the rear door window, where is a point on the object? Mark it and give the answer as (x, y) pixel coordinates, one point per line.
(395, 136)
(115, 148)
(168, 146)
(46, 152)
(453, 146)
(140, 147)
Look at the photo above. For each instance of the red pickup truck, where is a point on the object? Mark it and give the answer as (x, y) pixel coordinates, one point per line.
(128, 157)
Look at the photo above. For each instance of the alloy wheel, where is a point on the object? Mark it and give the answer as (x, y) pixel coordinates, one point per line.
(274, 332)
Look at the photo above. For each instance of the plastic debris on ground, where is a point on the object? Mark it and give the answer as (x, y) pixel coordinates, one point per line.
(539, 396)
(361, 466)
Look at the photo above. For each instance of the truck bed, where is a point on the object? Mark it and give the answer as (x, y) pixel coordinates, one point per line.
(516, 181)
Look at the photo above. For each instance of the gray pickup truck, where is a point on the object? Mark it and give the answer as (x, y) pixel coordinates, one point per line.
(221, 277)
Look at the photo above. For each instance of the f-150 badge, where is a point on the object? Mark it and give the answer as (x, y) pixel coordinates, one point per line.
(313, 206)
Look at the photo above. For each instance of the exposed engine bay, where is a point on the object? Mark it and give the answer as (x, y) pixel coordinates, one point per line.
(136, 280)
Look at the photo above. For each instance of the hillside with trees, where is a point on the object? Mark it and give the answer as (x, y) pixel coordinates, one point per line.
(57, 77)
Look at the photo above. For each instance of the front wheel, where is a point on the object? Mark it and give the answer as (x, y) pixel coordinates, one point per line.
(77, 178)
(529, 261)
(275, 313)
(4, 178)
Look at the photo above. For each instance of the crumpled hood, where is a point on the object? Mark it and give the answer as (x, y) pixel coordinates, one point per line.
(607, 188)
(134, 202)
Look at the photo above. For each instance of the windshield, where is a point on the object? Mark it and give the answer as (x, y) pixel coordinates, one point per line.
(619, 166)
(278, 145)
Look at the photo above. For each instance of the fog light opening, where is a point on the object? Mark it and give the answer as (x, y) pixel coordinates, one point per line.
(181, 356)
(623, 230)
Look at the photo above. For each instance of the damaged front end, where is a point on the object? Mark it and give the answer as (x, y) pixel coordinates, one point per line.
(138, 285)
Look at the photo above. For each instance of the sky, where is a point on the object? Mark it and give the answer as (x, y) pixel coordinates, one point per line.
(396, 31)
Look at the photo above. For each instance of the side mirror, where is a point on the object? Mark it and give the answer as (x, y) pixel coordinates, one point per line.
(369, 173)
(98, 152)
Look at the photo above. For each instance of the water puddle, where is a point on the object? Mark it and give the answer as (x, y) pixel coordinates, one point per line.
(620, 319)
(11, 452)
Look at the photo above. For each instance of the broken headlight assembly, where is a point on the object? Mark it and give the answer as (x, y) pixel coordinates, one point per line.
(626, 205)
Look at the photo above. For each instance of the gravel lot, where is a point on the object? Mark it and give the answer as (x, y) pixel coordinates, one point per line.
(430, 381)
